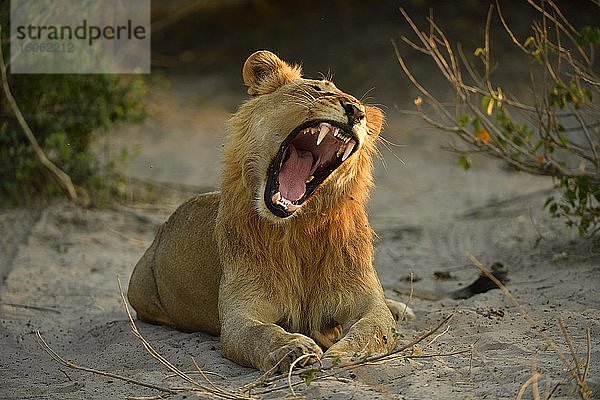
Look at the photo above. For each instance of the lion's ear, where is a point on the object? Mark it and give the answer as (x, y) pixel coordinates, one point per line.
(375, 120)
(264, 72)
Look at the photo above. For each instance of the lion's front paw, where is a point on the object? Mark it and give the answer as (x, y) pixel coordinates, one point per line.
(335, 357)
(299, 347)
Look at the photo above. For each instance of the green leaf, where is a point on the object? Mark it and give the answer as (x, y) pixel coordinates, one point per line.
(487, 104)
(336, 360)
(589, 34)
(308, 376)
(570, 195)
(596, 192)
(463, 120)
(464, 161)
(529, 42)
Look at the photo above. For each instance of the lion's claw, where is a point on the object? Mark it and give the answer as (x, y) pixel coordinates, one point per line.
(299, 347)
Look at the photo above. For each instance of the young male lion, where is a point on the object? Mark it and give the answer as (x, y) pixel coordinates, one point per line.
(282, 257)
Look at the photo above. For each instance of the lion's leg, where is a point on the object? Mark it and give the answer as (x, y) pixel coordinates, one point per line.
(372, 333)
(328, 336)
(143, 292)
(400, 310)
(250, 336)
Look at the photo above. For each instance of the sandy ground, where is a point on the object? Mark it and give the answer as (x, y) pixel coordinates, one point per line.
(64, 264)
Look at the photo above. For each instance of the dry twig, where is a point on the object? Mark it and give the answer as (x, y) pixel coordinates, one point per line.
(330, 371)
(69, 364)
(213, 390)
(577, 378)
(63, 180)
(32, 307)
(529, 382)
(292, 365)
(556, 134)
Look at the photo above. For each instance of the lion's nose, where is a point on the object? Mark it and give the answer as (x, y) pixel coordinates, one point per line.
(354, 113)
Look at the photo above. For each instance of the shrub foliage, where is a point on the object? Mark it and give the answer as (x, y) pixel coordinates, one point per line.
(556, 133)
(66, 113)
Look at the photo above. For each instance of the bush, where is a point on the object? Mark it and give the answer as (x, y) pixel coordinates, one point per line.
(556, 134)
(66, 113)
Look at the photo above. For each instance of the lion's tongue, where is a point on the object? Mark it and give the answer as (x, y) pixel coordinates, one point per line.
(294, 173)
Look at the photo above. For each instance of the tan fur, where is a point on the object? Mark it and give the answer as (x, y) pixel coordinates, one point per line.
(224, 264)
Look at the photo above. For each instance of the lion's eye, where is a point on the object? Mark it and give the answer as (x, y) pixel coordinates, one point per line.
(317, 88)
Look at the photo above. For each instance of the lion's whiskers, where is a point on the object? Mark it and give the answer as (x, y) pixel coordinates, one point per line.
(388, 146)
(364, 97)
(299, 86)
(328, 76)
(300, 100)
(299, 96)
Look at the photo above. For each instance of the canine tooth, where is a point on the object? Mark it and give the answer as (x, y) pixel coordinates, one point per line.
(349, 148)
(310, 178)
(324, 130)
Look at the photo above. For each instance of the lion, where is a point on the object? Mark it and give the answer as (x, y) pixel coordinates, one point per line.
(279, 262)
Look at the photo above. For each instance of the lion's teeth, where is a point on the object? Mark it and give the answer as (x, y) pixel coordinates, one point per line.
(310, 178)
(324, 130)
(283, 202)
(348, 150)
(276, 197)
(292, 207)
(341, 135)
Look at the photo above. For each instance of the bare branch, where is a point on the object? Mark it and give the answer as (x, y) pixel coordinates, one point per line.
(58, 358)
(553, 135)
(63, 180)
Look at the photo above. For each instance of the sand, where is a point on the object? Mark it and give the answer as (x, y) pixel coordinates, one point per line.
(61, 265)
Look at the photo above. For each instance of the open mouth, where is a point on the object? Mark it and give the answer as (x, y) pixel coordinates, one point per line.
(305, 159)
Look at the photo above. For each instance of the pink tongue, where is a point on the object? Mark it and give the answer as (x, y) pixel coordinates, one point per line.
(294, 173)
